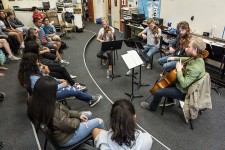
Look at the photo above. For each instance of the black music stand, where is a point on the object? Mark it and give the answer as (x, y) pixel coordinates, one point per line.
(128, 59)
(112, 45)
(145, 58)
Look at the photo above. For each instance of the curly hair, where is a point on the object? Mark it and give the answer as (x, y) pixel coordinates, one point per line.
(122, 122)
(183, 25)
(28, 67)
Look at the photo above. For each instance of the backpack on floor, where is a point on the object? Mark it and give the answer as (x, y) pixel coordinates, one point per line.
(2, 57)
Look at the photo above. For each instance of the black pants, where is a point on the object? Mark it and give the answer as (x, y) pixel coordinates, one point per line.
(109, 54)
(61, 73)
(14, 45)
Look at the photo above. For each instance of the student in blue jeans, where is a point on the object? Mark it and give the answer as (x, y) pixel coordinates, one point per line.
(177, 46)
(29, 73)
(68, 127)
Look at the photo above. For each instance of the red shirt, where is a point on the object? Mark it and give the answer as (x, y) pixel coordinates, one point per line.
(40, 16)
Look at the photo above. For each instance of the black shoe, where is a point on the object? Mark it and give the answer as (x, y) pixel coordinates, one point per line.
(1, 145)
(2, 96)
(95, 100)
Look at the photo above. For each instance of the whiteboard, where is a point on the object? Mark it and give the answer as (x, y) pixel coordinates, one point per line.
(207, 13)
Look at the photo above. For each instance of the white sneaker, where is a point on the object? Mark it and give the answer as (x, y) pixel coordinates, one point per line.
(129, 72)
(14, 58)
(22, 46)
(148, 66)
(143, 65)
(64, 62)
(73, 77)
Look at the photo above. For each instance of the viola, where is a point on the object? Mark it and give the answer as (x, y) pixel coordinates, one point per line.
(171, 77)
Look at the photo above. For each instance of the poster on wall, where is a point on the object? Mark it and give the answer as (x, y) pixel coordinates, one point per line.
(151, 8)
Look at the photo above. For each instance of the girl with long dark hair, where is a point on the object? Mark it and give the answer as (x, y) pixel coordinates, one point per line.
(29, 73)
(123, 133)
(68, 126)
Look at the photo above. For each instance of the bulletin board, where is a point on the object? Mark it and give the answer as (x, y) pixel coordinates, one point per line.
(151, 8)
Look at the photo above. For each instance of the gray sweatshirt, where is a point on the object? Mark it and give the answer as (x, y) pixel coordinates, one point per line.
(143, 141)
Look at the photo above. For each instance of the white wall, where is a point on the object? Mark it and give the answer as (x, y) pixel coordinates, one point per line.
(27, 3)
(206, 12)
(100, 8)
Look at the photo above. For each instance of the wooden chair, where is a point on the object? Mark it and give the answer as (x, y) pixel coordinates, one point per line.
(53, 16)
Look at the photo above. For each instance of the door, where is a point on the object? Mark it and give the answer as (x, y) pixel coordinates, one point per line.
(90, 11)
(115, 8)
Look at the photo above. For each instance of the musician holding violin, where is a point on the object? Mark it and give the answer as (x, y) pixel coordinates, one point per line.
(194, 70)
(177, 46)
(105, 34)
(152, 33)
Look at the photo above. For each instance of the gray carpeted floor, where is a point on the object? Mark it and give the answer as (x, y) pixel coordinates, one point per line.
(170, 129)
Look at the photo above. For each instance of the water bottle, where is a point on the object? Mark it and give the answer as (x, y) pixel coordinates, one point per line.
(107, 74)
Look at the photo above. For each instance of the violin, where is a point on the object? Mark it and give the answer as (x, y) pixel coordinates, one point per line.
(155, 31)
(171, 77)
(106, 30)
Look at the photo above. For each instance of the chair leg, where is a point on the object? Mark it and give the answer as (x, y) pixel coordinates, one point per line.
(190, 121)
(163, 106)
(45, 146)
(117, 55)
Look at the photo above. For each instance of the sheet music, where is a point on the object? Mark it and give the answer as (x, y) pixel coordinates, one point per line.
(132, 59)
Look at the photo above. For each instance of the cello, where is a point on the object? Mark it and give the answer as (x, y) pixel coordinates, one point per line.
(171, 77)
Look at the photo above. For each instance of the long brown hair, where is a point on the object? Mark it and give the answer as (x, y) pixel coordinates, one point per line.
(122, 122)
(41, 106)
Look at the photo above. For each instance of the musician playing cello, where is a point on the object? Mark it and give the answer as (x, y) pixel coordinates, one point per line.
(194, 70)
(152, 33)
(106, 33)
(177, 46)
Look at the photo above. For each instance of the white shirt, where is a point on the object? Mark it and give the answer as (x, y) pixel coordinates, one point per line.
(109, 37)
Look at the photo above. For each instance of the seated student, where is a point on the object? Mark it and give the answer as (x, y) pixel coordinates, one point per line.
(50, 30)
(105, 34)
(16, 23)
(45, 41)
(36, 13)
(123, 133)
(177, 47)
(194, 70)
(52, 70)
(67, 126)
(45, 51)
(152, 33)
(14, 45)
(29, 73)
(4, 44)
(7, 29)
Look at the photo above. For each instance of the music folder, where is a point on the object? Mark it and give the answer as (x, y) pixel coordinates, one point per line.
(132, 59)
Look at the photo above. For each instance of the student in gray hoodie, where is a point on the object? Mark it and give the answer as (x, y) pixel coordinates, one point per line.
(123, 134)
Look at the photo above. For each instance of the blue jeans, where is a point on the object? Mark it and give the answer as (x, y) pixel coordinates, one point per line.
(84, 131)
(149, 50)
(70, 91)
(167, 65)
(170, 92)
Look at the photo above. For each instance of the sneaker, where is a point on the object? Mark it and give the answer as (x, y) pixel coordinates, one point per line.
(1, 145)
(104, 62)
(2, 96)
(129, 72)
(95, 100)
(148, 66)
(14, 58)
(80, 87)
(167, 104)
(64, 62)
(145, 105)
(72, 76)
(22, 46)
